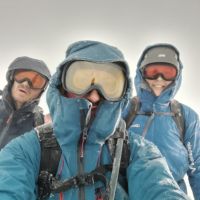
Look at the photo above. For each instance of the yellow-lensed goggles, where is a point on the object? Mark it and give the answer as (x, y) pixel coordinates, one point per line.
(82, 76)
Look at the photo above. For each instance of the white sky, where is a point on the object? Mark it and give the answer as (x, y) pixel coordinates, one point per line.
(43, 29)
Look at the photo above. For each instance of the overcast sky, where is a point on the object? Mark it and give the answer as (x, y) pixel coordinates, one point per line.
(43, 29)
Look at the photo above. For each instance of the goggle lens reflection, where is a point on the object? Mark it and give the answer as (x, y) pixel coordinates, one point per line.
(109, 79)
(167, 72)
(35, 80)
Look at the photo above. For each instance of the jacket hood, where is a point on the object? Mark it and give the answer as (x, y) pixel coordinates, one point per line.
(66, 110)
(143, 90)
(28, 63)
(93, 51)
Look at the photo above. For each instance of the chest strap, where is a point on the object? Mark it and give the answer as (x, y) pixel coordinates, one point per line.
(86, 179)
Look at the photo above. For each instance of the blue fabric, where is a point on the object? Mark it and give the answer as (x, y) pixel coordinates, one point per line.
(147, 174)
(163, 132)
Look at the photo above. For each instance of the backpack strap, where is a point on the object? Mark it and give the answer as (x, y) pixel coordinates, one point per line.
(84, 180)
(97, 174)
(134, 107)
(50, 157)
(176, 109)
(50, 153)
(38, 116)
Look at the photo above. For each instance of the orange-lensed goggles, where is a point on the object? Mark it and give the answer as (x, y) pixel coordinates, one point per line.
(167, 72)
(35, 80)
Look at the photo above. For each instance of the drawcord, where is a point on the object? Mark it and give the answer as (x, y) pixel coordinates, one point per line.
(152, 115)
(61, 168)
(59, 174)
(190, 158)
(148, 124)
(99, 156)
(61, 196)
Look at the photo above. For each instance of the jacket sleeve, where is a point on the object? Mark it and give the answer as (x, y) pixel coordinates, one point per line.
(19, 166)
(149, 177)
(192, 143)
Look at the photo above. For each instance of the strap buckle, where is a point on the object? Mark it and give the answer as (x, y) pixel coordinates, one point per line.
(83, 180)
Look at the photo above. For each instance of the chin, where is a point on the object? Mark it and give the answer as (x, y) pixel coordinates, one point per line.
(157, 93)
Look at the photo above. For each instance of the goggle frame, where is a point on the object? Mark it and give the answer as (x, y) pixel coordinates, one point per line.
(28, 78)
(93, 87)
(158, 72)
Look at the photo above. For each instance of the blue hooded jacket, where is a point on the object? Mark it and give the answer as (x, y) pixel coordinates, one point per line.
(182, 157)
(148, 176)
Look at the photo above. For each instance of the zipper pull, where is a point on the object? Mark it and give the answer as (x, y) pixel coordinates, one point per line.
(83, 140)
(85, 132)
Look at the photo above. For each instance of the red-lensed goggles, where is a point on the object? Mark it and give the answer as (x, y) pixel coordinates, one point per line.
(35, 80)
(167, 72)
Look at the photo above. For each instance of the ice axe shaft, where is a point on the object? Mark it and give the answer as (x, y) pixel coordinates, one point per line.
(117, 159)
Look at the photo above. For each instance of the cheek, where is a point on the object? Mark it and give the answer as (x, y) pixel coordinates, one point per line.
(34, 94)
(71, 95)
(149, 82)
(168, 82)
(14, 86)
(13, 89)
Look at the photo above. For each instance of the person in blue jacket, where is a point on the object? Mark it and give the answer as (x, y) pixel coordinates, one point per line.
(158, 78)
(86, 97)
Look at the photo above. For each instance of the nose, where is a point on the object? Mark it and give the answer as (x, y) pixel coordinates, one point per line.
(26, 84)
(160, 78)
(93, 97)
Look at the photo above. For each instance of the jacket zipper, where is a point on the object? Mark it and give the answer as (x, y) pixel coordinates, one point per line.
(81, 146)
(81, 160)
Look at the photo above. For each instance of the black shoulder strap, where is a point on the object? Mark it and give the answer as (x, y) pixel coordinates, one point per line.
(176, 109)
(38, 116)
(50, 149)
(134, 107)
(99, 173)
(50, 157)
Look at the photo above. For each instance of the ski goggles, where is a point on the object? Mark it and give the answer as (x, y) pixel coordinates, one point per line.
(35, 80)
(108, 78)
(167, 72)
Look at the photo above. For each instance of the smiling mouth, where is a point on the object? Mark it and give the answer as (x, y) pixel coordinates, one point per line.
(159, 86)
